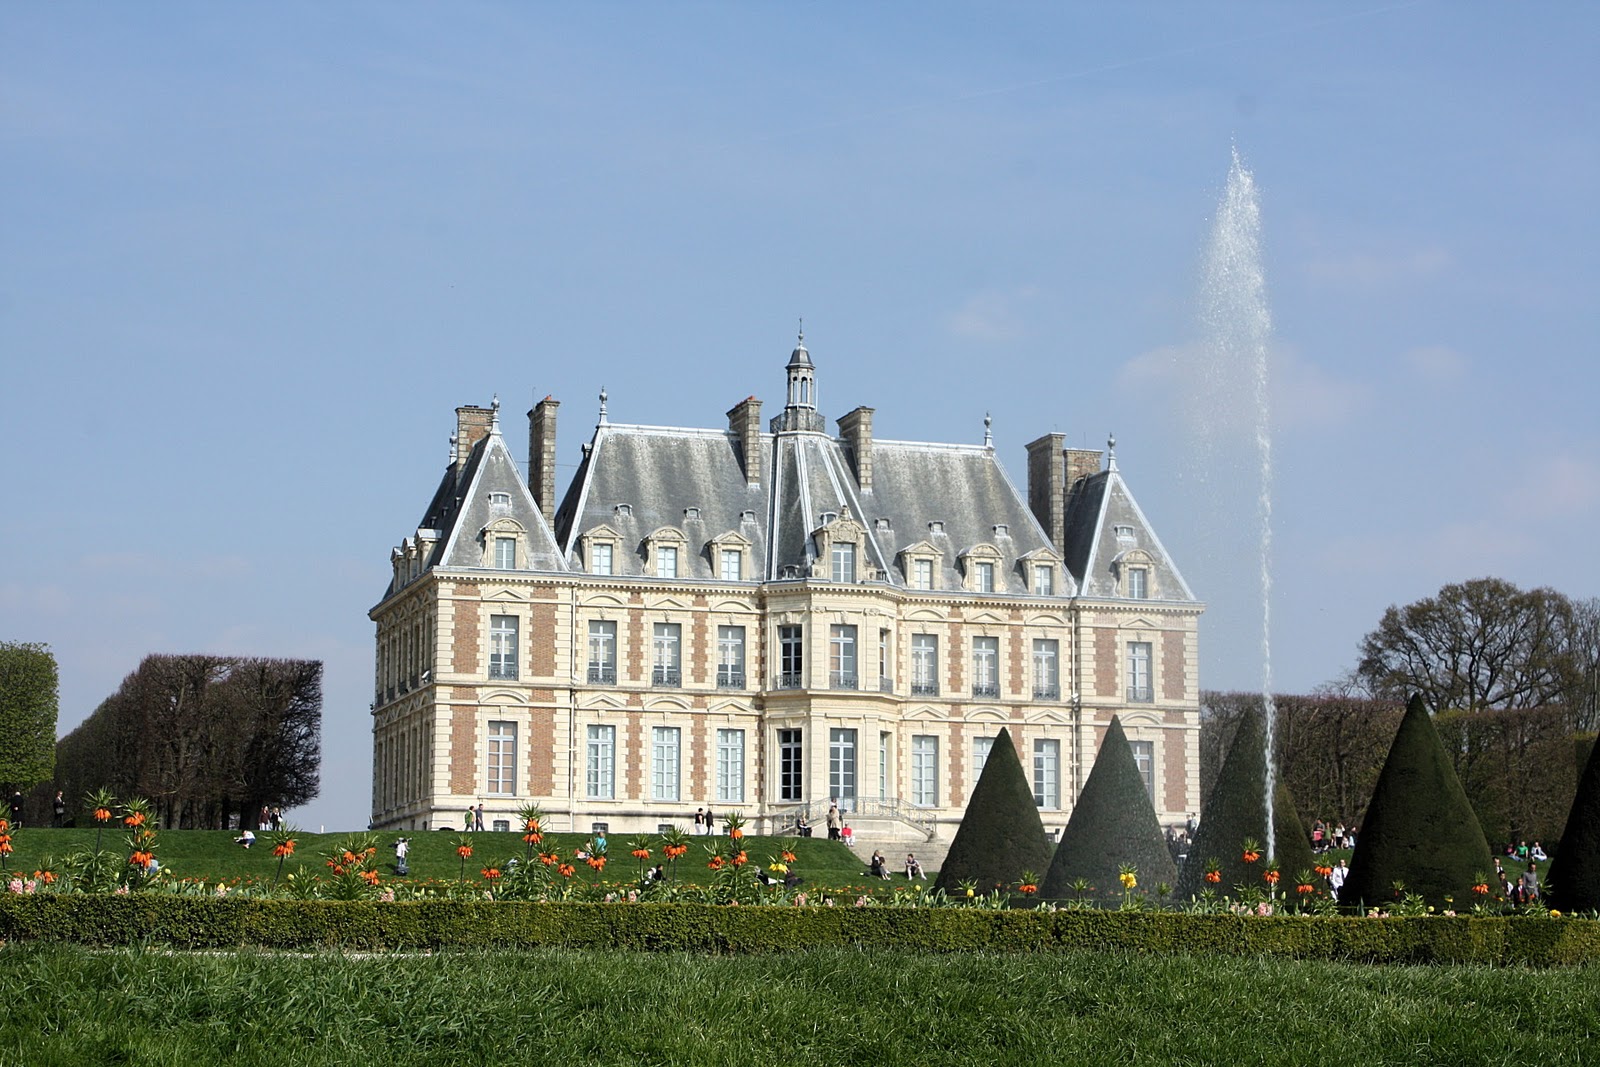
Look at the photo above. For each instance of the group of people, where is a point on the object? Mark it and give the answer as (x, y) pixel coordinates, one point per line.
(705, 822)
(271, 818)
(878, 867)
(1324, 838)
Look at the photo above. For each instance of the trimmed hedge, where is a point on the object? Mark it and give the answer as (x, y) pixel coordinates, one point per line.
(191, 922)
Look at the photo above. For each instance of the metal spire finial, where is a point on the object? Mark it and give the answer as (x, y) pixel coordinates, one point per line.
(1111, 452)
(494, 414)
(988, 438)
(602, 404)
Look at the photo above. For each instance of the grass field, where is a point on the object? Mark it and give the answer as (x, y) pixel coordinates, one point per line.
(211, 855)
(76, 1006)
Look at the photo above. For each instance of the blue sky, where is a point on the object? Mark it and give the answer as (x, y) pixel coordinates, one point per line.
(253, 256)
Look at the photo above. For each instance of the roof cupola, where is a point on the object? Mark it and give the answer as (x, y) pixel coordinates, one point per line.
(800, 405)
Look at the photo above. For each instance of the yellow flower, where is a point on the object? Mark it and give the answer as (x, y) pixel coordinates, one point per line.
(1554, 914)
(1128, 880)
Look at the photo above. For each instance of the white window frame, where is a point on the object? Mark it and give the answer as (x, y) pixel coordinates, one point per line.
(981, 747)
(924, 665)
(986, 667)
(1139, 583)
(732, 560)
(922, 574)
(666, 561)
(1046, 668)
(730, 657)
(600, 777)
(600, 558)
(791, 764)
(843, 662)
(983, 576)
(666, 745)
(843, 561)
(1047, 773)
(925, 770)
(1144, 758)
(505, 553)
(1044, 579)
(1141, 663)
(500, 778)
(730, 766)
(842, 763)
(602, 652)
(504, 636)
(666, 654)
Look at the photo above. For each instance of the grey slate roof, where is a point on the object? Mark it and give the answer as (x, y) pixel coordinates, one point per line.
(1096, 507)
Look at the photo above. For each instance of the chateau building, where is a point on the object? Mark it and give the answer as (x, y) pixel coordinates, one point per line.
(764, 620)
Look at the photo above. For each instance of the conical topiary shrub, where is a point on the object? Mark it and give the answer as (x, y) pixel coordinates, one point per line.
(1573, 881)
(1000, 835)
(1419, 829)
(1236, 812)
(1113, 825)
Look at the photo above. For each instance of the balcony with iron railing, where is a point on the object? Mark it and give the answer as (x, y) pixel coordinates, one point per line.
(789, 680)
(886, 685)
(842, 680)
(1046, 692)
(924, 688)
(666, 677)
(730, 678)
(1141, 694)
(989, 690)
(503, 670)
(602, 675)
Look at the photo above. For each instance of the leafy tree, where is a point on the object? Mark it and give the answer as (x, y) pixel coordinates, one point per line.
(1419, 829)
(1113, 824)
(28, 707)
(204, 737)
(1001, 834)
(1573, 881)
(1479, 644)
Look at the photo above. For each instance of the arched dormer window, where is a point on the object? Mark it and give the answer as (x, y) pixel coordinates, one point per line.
(1043, 573)
(841, 550)
(666, 553)
(505, 544)
(1134, 571)
(729, 556)
(922, 564)
(980, 567)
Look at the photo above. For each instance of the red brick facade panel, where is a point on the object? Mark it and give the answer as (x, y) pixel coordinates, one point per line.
(1173, 673)
(463, 748)
(1106, 662)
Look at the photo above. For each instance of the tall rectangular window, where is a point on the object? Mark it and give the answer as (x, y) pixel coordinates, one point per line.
(505, 553)
(791, 657)
(730, 657)
(885, 672)
(1144, 758)
(981, 747)
(922, 574)
(602, 652)
(986, 667)
(732, 564)
(730, 766)
(1044, 580)
(844, 561)
(503, 647)
(842, 657)
(1138, 583)
(791, 765)
(666, 561)
(925, 770)
(1047, 773)
(924, 665)
(842, 763)
(883, 765)
(664, 762)
(1139, 690)
(502, 776)
(667, 650)
(600, 780)
(600, 558)
(1046, 669)
(983, 575)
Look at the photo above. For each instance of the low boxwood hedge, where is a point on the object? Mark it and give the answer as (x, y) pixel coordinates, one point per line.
(195, 922)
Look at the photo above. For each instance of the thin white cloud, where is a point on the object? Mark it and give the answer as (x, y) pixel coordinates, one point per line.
(994, 316)
(1437, 365)
(1380, 268)
(1306, 396)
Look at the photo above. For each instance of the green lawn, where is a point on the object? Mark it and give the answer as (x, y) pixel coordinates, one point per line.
(211, 855)
(73, 1006)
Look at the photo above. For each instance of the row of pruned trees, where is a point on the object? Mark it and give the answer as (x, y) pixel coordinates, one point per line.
(204, 738)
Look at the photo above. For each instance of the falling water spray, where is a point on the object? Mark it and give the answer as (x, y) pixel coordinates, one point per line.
(1237, 324)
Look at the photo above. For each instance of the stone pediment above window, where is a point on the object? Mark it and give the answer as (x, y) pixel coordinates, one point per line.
(730, 557)
(1043, 572)
(597, 548)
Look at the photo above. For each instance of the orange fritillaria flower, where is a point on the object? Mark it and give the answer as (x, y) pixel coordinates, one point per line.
(533, 837)
(102, 814)
(549, 858)
(717, 863)
(1270, 876)
(1251, 855)
(597, 862)
(740, 860)
(1213, 877)
(139, 859)
(641, 853)
(491, 873)
(1028, 888)
(284, 850)
(1305, 888)
(566, 870)
(674, 851)
(464, 851)
(370, 877)
(786, 856)
(736, 833)
(1481, 888)
(135, 819)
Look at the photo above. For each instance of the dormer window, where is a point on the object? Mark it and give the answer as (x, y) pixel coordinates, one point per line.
(1138, 583)
(667, 561)
(505, 553)
(1002, 530)
(828, 518)
(1135, 573)
(843, 562)
(921, 563)
(667, 552)
(882, 525)
(598, 549)
(936, 527)
(505, 544)
(623, 511)
(983, 577)
(728, 553)
(499, 500)
(1044, 580)
(691, 514)
(982, 565)
(1124, 534)
(747, 516)
(840, 542)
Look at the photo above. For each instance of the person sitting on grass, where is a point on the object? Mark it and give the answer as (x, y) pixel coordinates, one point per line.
(246, 839)
(914, 868)
(878, 868)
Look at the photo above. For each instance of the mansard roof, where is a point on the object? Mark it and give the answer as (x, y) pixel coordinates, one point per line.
(1104, 527)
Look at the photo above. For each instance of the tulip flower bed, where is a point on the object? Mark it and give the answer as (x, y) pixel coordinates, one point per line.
(69, 1005)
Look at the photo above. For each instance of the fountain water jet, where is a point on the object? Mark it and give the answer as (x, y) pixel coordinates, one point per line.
(1236, 324)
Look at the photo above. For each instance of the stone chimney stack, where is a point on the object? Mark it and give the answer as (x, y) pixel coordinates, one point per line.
(1082, 462)
(1047, 487)
(744, 422)
(542, 456)
(856, 429)
(472, 426)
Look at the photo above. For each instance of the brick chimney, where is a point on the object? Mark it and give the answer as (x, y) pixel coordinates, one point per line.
(856, 429)
(744, 422)
(472, 426)
(1047, 487)
(542, 456)
(1082, 462)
